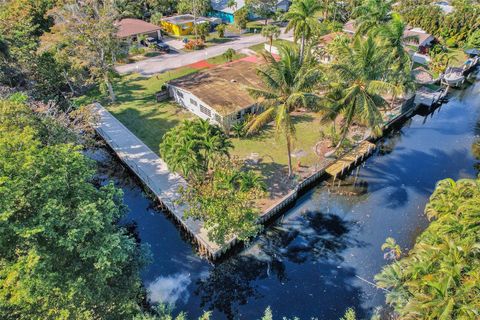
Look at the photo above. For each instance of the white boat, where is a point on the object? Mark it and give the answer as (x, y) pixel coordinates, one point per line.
(453, 77)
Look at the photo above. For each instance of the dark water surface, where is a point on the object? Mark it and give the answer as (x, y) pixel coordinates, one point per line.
(312, 262)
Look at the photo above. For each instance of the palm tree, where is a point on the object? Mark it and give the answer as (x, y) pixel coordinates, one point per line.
(289, 84)
(396, 42)
(371, 15)
(357, 76)
(302, 21)
(270, 32)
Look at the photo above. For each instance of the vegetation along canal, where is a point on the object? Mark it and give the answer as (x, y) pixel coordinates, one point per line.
(314, 261)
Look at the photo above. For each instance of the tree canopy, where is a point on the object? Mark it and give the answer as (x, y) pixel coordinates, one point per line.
(62, 253)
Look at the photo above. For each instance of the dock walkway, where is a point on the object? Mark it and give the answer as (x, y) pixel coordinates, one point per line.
(344, 163)
(153, 172)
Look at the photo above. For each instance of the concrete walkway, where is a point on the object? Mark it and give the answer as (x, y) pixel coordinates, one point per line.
(152, 170)
(175, 60)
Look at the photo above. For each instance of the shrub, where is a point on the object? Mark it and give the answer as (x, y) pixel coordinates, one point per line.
(451, 42)
(229, 54)
(221, 30)
(194, 44)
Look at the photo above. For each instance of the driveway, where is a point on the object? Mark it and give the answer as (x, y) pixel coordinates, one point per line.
(175, 60)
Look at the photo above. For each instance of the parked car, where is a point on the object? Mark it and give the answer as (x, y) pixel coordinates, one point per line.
(158, 44)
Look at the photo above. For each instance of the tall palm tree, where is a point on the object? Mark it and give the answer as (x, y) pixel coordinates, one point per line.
(302, 21)
(393, 34)
(289, 84)
(357, 81)
(371, 14)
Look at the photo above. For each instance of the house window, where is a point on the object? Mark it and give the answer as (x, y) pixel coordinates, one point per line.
(205, 111)
(239, 115)
(218, 118)
(193, 102)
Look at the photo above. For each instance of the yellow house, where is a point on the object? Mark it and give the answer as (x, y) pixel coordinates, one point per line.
(180, 25)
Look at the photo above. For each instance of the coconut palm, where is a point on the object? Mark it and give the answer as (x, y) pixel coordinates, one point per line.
(357, 81)
(303, 21)
(395, 41)
(271, 32)
(288, 84)
(371, 14)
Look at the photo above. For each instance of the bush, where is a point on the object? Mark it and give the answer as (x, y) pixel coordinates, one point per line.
(229, 54)
(134, 50)
(195, 44)
(221, 30)
(451, 42)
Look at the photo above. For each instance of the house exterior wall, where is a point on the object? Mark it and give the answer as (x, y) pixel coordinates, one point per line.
(204, 111)
(178, 29)
(226, 17)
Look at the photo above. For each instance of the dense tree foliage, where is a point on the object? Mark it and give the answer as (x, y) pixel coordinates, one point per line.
(440, 276)
(194, 147)
(457, 25)
(62, 254)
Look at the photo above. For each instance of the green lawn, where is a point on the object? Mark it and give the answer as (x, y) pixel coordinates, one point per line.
(221, 59)
(272, 148)
(137, 108)
(261, 46)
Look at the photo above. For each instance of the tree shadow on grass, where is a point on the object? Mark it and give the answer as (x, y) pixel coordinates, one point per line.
(300, 256)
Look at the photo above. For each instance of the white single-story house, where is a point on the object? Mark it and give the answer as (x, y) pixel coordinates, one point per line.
(219, 94)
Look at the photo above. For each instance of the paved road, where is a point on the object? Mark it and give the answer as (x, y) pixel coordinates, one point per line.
(175, 60)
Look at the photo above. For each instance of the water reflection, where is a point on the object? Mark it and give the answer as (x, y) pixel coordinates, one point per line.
(308, 264)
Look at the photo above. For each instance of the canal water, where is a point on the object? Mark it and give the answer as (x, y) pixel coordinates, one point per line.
(317, 260)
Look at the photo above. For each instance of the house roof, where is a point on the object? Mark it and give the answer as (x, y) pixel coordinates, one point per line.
(132, 27)
(328, 38)
(349, 26)
(423, 37)
(223, 88)
(184, 18)
(222, 5)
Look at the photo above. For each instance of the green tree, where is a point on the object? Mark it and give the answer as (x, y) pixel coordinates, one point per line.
(474, 40)
(86, 32)
(203, 30)
(302, 20)
(221, 30)
(193, 147)
(262, 8)
(241, 18)
(224, 202)
(371, 15)
(62, 253)
(357, 79)
(289, 84)
(229, 54)
(156, 18)
(440, 276)
(271, 32)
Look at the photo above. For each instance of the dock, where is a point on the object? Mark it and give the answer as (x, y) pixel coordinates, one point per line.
(350, 159)
(154, 174)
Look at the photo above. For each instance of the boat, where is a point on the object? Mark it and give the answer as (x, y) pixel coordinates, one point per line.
(453, 77)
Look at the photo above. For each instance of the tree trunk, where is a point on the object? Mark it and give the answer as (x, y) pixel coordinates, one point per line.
(65, 75)
(290, 171)
(113, 98)
(271, 43)
(302, 47)
(392, 104)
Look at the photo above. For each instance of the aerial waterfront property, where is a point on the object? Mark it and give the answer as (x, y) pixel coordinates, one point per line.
(212, 159)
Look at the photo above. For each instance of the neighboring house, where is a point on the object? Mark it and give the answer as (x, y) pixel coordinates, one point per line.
(445, 6)
(424, 39)
(220, 9)
(219, 94)
(182, 25)
(129, 29)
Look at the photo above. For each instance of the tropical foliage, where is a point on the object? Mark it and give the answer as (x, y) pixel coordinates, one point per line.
(302, 20)
(371, 15)
(62, 253)
(225, 201)
(357, 84)
(193, 147)
(440, 276)
(290, 84)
